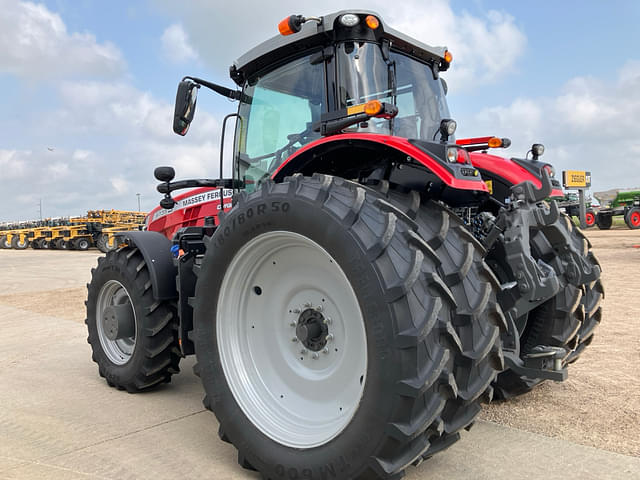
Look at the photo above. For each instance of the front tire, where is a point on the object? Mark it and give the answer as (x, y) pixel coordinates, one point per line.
(17, 244)
(632, 218)
(141, 351)
(373, 403)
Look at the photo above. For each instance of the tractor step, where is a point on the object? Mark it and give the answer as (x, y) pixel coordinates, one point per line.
(543, 361)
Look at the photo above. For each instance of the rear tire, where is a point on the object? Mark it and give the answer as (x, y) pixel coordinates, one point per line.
(477, 318)
(604, 221)
(632, 218)
(404, 306)
(81, 243)
(4, 244)
(151, 354)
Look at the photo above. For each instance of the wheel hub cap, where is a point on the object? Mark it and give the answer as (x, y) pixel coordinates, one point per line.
(312, 330)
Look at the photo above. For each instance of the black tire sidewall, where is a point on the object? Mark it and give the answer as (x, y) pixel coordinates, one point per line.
(350, 450)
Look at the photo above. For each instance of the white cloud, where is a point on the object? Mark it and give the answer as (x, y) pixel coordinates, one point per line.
(592, 125)
(484, 48)
(35, 44)
(175, 45)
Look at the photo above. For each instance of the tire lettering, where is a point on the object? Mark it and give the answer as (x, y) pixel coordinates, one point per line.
(261, 208)
(285, 207)
(250, 213)
(241, 218)
(327, 470)
(275, 206)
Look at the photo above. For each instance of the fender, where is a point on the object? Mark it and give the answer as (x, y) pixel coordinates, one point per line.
(353, 152)
(508, 172)
(156, 251)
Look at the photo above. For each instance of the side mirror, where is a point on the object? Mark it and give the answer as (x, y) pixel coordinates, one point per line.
(164, 174)
(185, 106)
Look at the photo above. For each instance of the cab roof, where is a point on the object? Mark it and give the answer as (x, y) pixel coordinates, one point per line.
(315, 35)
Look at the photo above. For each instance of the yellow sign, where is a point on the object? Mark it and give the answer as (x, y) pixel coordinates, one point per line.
(576, 179)
(489, 185)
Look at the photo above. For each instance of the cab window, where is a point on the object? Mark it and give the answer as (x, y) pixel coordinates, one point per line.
(277, 116)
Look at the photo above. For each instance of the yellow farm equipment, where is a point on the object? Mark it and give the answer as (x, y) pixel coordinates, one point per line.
(98, 228)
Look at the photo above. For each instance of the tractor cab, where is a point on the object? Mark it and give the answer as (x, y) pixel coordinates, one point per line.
(342, 74)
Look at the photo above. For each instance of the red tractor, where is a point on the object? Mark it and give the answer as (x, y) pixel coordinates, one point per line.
(365, 289)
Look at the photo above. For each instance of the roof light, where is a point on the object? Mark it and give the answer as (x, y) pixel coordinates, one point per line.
(373, 107)
(372, 22)
(349, 20)
(495, 142)
(290, 25)
(447, 56)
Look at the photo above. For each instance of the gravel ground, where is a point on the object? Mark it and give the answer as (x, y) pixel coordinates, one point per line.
(599, 405)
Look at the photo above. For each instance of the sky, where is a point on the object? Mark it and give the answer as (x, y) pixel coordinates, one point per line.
(87, 87)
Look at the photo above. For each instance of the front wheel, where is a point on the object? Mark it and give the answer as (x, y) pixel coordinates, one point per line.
(133, 336)
(590, 217)
(17, 244)
(632, 218)
(321, 333)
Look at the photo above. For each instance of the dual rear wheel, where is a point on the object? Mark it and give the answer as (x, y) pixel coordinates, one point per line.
(329, 339)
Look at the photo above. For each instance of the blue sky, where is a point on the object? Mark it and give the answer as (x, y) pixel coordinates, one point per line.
(95, 82)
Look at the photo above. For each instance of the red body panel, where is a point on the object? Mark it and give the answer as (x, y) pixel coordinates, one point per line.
(401, 144)
(190, 210)
(507, 169)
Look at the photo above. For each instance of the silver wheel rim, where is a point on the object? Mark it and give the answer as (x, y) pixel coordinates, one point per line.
(118, 351)
(296, 396)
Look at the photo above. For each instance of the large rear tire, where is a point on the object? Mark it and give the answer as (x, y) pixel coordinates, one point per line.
(373, 403)
(477, 317)
(133, 337)
(4, 243)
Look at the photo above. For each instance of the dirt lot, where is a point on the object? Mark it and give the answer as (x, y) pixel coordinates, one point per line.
(599, 405)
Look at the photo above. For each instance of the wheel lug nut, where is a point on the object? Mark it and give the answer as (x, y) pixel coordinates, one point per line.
(296, 310)
(327, 321)
(294, 339)
(292, 324)
(319, 308)
(308, 304)
(314, 355)
(303, 351)
(329, 337)
(325, 350)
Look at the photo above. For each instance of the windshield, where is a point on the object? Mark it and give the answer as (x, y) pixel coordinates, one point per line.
(365, 75)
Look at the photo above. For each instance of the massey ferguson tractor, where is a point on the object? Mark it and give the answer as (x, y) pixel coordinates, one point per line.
(362, 282)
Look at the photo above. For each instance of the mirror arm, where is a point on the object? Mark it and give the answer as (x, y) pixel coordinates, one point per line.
(224, 91)
(167, 187)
